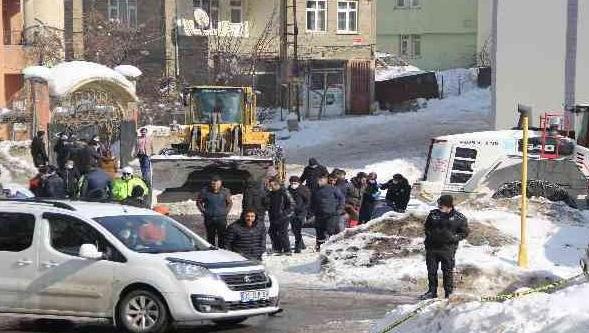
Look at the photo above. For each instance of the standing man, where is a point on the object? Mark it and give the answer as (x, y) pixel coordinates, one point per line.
(143, 151)
(214, 202)
(328, 204)
(444, 228)
(247, 236)
(311, 174)
(61, 150)
(39, 150)
(370, 197)
(302, 197)
(70, 175)
(254, 198)
(398, 193)
(280, 210)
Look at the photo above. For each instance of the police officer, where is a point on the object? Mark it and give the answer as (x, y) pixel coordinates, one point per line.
(444, 228)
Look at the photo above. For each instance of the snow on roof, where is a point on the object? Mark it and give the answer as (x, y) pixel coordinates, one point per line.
(129, 71)
(393, 72)
(68, 76)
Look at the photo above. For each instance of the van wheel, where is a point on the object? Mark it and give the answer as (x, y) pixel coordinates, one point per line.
(230, 322)
(536, 188)
(142, 311)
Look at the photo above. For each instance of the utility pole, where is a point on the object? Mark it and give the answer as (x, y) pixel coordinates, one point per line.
(522, 259)
(290, 56)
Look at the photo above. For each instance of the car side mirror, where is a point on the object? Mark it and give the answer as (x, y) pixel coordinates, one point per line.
(90, 251)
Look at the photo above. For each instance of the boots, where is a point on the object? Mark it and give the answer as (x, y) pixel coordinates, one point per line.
(429, 295)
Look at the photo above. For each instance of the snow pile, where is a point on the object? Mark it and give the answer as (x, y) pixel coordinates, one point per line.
(393, 72)
(411, 169)
(16, 168)
(566, 311)
(486, 262)
(67, 76)
(129, 71)
(454, 82)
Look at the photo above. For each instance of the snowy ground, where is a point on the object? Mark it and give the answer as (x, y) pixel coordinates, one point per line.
(15, 162)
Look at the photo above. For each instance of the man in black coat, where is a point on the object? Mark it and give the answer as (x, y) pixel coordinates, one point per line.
(398, 193)
(39, 150)
(369, 199)
(280, 210)
(52, 185)
(302, 197)
(312, 173)
(327, 203)
(214, 202)
(254, 198)
(70, 175)
(247, 236)
(444, 228)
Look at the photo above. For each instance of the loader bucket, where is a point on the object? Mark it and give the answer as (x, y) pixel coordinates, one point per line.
(180, 178)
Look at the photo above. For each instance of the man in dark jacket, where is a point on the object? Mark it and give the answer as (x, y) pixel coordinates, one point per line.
(61, 150)
(398, 193)
(340, 181)
(312, 173)
(280, 210)
(355, 192)
(444, 228)
(214, 202)
(327, 203)
(70, 176)
(247, 236)
(254, 199)
(302, 197)
(369, 199)
(96, 185)
(52, 184)
(38, 150)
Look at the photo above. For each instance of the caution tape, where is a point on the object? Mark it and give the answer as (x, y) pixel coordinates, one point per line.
(408, 316)
(551, 287)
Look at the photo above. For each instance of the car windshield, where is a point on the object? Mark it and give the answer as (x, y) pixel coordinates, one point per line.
(151, 234)
(225, 104)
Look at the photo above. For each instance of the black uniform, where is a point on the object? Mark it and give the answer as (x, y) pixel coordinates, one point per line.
(302, 198)
(215, 208)
(398, 195)
(250, 242)
(311, 175)
(38, 151)
(70, 181)
(327, 203)
(280, 209)
(442, 234)
(368, 202)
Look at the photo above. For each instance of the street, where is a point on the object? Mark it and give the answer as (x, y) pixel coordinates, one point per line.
(305, 310)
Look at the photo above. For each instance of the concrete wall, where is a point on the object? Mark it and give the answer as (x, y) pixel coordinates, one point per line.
(448, 29)
(531, 56)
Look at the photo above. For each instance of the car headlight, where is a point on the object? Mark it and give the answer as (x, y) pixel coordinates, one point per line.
(190, 272)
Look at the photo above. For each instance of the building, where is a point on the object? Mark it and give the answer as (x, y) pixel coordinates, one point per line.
(541, 61)
(12, 52)
(430, 34)
(335, 41)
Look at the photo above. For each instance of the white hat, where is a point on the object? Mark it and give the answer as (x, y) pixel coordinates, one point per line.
(128, 170)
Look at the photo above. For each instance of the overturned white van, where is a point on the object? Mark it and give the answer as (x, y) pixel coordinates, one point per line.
(489, 163)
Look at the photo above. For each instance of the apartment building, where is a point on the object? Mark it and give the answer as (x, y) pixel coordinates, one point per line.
(430, 34)
(12, 52)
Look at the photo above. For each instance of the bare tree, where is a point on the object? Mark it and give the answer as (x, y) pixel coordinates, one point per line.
(45, 44)
(484, 55)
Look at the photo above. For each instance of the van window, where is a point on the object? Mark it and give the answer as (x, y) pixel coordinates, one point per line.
(466, 153)
(16, 231)
(462, 167)
(68, 234)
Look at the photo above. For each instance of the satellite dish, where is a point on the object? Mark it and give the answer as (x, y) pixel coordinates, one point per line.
(201, 18)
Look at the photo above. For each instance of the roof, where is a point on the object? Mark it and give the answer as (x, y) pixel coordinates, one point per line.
(66, 77)
(88, 209)
(503, 134)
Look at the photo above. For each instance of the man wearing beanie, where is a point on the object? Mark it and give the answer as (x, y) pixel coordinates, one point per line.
(444, 228)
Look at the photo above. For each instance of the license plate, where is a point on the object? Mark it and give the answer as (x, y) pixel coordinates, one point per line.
(254, 295)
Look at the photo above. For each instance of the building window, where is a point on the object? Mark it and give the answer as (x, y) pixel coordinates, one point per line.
(236, 11)
(211, 7)
(123, 11)
(415, 3)
(407, 3)
(401, 3)
(410, 46)
(347, 16)
(316, 15)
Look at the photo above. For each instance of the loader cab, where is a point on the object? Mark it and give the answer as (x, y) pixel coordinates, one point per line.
(220, 105)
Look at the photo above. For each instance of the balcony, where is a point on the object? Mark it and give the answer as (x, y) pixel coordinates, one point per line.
(188, 27)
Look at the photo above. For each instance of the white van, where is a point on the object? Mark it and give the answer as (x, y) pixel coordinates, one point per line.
(482, 163)
(139, 268)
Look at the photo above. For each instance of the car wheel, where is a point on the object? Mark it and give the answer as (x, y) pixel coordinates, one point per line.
(142, 311)
(230, 322)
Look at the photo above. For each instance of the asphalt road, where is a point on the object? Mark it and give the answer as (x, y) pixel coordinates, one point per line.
(305, 310)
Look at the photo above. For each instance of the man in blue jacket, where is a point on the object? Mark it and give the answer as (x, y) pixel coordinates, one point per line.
(327, 203)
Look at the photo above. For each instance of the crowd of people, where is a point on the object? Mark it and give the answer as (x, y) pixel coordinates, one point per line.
(328, 200)
(78, 173)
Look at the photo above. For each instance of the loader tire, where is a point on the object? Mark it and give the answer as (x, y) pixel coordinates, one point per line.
(536, 188)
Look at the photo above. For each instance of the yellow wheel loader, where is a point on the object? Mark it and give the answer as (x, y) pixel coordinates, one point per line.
(222, 138)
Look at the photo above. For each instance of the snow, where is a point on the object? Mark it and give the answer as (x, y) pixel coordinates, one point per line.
(565, 311)
(15, 168)
(393, 72)
(454, 82)
(68, 76)
(129, 71)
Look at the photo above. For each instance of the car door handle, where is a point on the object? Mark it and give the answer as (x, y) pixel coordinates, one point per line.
(50, 264)
(24, 262)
